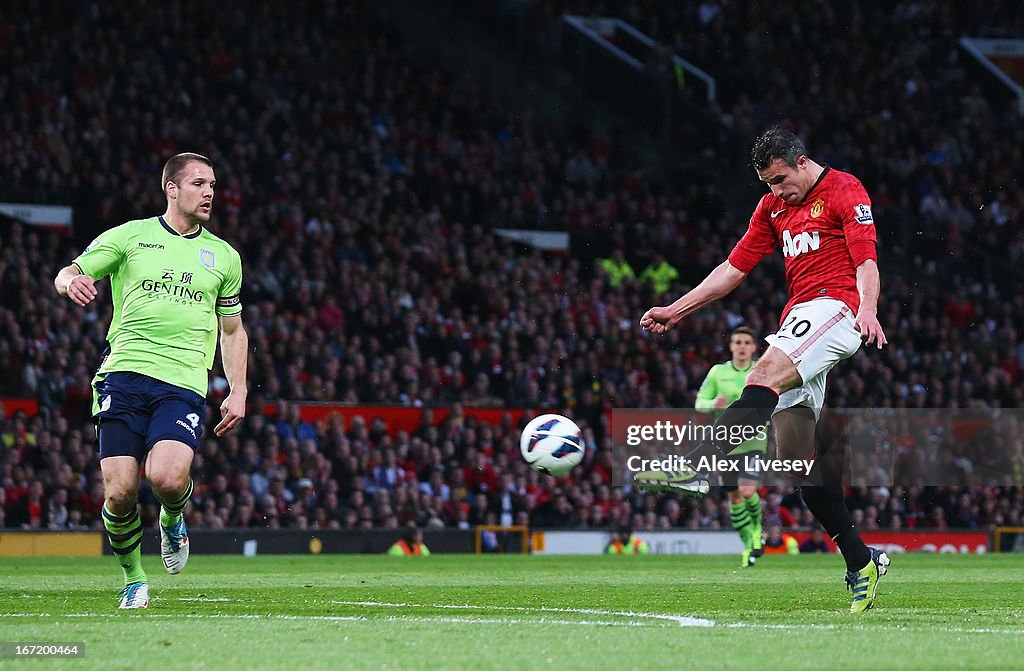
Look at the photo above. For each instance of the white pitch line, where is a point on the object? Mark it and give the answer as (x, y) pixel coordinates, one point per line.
(752, 625)
(345, 618)
(515, 620)
(221, 616)
(681, 620)
(801, 627)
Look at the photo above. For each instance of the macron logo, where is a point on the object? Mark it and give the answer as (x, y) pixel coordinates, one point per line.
(803, 242)
(150, 245)
(187, 428)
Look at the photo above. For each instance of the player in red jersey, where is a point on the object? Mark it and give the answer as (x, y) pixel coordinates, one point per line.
(821, 217)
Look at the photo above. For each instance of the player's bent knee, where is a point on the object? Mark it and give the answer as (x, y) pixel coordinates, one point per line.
(120, 501)
(762, 378)
(776, 380)
(167, 483)
(776, 371)
(168, 467)
(120, 483)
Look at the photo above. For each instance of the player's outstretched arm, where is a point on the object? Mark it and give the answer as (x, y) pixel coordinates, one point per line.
(868, 285)
(720, 282)
(234, 351)
(72, 283)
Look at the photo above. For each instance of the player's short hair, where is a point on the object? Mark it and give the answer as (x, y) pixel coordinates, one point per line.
(177, 163)
(776, 143)
(743, 330)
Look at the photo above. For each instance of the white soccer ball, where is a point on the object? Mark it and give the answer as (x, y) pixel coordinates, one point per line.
(552, 444)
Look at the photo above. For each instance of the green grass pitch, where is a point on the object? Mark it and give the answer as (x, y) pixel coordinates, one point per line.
(520, 612)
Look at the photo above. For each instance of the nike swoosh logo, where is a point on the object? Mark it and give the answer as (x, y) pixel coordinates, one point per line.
(778, 212)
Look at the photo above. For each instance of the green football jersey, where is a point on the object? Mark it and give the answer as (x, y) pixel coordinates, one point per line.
(724, 379)
(167, 291)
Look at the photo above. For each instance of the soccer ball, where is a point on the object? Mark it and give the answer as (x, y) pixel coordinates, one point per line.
(552, 444)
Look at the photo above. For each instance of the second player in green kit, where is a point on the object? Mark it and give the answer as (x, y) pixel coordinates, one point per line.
(723, 385)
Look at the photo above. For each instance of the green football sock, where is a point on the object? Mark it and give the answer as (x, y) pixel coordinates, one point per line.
(741, 522)
(170, 512)
(125, 535)
(754, 511)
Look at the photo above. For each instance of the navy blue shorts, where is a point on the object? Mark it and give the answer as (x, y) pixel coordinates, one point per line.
(134, 412)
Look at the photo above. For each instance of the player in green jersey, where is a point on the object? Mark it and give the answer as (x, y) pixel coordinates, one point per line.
(174, 286)
(722, 386)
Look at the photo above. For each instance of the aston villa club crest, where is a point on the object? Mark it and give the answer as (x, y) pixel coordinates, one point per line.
(817, 207)
(207, 258)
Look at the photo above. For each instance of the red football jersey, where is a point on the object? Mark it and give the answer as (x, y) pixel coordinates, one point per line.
(823, 239)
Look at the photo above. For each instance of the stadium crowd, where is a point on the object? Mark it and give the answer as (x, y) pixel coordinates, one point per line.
(898, 101)
(362, 187)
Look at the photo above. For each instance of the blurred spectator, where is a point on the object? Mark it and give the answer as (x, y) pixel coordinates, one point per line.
(617, 269)
(660, 274)
(815, 543)
(625, 543)
(410, 544)
(777, 542)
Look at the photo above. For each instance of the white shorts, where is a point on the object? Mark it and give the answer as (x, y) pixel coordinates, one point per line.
(816, 336)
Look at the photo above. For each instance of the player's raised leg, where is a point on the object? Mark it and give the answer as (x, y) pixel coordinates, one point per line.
(167, 469)
(121, 518)
(686, 480)
(773, 374)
